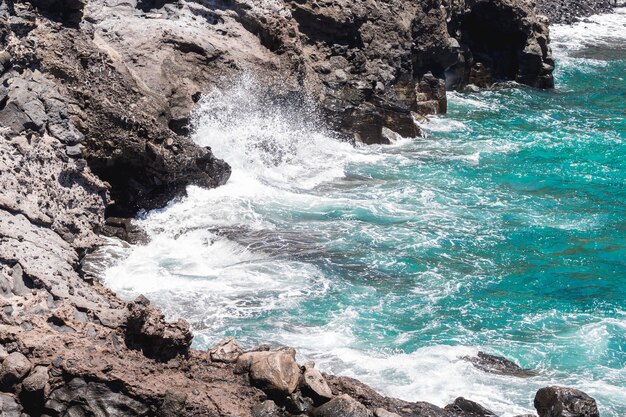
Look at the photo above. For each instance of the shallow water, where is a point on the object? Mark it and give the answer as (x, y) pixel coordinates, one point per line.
(503, 230)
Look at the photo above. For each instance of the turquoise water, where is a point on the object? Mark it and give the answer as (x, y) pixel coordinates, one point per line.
(503, 230)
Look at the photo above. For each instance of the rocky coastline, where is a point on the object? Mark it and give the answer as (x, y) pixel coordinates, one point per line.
(570, 11)
(96, 98)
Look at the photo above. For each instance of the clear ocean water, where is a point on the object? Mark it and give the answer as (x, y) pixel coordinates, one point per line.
(503, 230)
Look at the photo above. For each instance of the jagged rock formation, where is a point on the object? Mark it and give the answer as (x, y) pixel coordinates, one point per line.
(95, 103)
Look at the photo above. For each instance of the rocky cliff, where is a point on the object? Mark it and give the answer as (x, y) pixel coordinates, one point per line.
(95, 103)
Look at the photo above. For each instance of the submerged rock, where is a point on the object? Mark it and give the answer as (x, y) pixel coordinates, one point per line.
(564, 402)
(498, 365)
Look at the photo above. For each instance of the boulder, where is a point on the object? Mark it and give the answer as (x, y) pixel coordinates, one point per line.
(342, 406)
(34, 389)
(36, 381)
(226, 350)
(14, 368)
(462, 407)
(314, 385)
(8, 406)
(277, 373)
(557, 401)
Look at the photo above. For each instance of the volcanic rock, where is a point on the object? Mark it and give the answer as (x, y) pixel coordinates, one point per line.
(462, 407)
(499, 365)
(9, 407)
(314, 384)
(381, 412)
(276, 373)
(226, 350)
(570, 11)
(146, 329)
(14, 368)
(342, 406)
(564, 402)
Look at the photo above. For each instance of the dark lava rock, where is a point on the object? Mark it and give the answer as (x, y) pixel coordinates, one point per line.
(267, 409)
(81, 398)
(173, 404)
(462, 407)
(499, 365)
(342, 406)
(564, 402)
(373, 400)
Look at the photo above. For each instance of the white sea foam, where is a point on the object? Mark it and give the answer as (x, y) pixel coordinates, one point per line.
(598, 30)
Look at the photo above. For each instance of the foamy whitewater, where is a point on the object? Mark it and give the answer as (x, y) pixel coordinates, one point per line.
(503, 230)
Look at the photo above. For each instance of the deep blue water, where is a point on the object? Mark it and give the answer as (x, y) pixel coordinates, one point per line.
(503, 230)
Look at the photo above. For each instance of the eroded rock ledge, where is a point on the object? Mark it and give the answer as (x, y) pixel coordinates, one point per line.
(95, 100)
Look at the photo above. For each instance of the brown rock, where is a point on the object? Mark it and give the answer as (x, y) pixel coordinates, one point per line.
(276, 373)
(14, 368)
(146, 329)
(314, 385)
(9, 407)
(36, 381)
(226, 350)
(381, 412)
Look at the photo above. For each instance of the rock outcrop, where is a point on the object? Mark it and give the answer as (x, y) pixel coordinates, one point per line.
(498, 365)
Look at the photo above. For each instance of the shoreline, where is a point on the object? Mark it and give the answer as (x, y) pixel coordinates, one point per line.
(68, 342)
